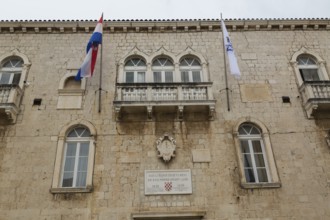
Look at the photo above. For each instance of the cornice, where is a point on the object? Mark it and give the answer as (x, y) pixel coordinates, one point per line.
(192, 25)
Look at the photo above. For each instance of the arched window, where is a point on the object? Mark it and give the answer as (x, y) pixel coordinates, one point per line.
(10, 72)
(256, 161)
(162, 68)
(253, 154)
(76, 153)
(308, 68)
(74, 162)
(135, 70)
(191, 70)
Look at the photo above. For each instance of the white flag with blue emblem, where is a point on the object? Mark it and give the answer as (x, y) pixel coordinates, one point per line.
(234, 70)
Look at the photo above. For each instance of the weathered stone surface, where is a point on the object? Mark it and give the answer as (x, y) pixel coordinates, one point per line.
(125, 149)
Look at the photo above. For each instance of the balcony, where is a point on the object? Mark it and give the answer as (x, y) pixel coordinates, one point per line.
(316, 98)
(177, 98)
(10, 97)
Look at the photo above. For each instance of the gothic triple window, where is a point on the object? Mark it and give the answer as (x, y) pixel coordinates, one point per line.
(163, 70)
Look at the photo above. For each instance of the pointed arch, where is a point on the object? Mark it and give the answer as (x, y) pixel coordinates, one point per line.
(163, 52)
(190, 52)
(188, 75)
(135, 53)
(132, 53)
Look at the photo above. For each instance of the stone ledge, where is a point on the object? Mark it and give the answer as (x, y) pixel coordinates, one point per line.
(260, 185)
(70, 190)
(169, 215)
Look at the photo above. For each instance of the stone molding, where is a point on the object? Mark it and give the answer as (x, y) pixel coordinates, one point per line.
(120, 26)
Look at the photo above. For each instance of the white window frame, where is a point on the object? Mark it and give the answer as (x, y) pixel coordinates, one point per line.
(272, 174)
(190, 69)
(249, 139)
(136, 71)
(78, 141)
(11, 70)
(163, 70)
(320, 64)
(61, 155)
(309, 66)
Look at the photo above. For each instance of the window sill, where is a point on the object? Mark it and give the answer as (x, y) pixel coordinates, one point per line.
(260, 185)
(178, 215)
(71, 190)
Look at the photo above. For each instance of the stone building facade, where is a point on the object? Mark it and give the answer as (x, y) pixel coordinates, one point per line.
(161, 142)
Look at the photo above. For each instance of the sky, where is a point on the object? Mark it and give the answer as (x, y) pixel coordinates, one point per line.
(162, 9)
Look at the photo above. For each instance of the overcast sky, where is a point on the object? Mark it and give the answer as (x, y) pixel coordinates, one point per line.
(161, 9)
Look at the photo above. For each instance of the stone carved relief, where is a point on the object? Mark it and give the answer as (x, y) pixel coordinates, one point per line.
(166, 147)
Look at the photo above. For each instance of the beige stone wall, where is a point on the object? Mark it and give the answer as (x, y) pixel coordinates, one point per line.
(124, 150)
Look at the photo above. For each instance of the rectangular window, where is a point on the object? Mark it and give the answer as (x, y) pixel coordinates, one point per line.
(129, 77)
(141, 77)
(5, 78)
(309, 74)
(254, 163)
(184, 76)
(247, 161)
(75, 164)
(168, 77)
(16, 78)
(196, 76)
(259, 161)
(157, 77)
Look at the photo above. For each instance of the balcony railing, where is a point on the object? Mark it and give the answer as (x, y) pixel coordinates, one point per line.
(164, 94)
(315, 96)
(10, 97)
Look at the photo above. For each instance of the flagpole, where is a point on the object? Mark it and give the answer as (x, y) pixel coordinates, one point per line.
(100, 82)
(224, 61)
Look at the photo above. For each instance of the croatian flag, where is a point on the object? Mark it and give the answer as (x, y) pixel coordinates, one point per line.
(87, 68)
(230, 52)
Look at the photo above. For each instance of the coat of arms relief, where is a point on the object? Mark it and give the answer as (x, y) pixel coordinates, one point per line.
(166, 147)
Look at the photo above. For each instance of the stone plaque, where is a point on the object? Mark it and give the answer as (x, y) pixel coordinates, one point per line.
(256, 92)
(158, 182)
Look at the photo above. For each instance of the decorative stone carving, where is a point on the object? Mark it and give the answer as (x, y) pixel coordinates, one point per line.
(166, 147)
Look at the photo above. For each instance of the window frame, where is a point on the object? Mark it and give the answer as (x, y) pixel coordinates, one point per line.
(250, 138)
(78, 141)
(63, 139)
(190, 70)
(136, 70)
(320, 63)
(12, 71)
(314, 66)
(163, 70)
(273, 178)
